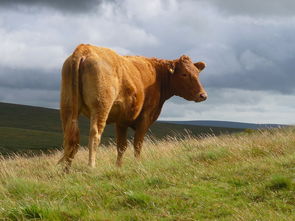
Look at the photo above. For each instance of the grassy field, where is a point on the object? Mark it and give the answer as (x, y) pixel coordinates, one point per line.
(27, 129)
(246, 176)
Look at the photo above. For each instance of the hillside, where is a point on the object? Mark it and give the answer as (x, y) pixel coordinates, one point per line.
(226, 124)
(31, 129)
(229, 177)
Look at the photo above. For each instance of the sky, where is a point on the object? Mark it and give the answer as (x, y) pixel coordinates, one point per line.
(248, 46)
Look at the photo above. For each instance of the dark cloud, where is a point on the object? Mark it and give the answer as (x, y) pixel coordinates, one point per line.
(279, 78)
(28, 96)
(63, 5)
(251, 55)
(29, 79)
(230, 7)
(259, 8)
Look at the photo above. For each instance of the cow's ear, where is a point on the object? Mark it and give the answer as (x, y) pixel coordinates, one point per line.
(171, 68)
(200, 65)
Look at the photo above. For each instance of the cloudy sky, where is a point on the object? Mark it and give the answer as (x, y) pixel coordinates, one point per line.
(249, 48)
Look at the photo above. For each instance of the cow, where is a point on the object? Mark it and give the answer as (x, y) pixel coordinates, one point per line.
(126, 90)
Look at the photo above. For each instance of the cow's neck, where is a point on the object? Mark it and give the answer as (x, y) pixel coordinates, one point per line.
(164, 77)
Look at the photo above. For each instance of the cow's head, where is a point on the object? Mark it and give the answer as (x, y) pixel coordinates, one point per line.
(185, 79)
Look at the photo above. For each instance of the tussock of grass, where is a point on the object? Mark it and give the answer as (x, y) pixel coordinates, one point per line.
(249, 176)
(279, 182)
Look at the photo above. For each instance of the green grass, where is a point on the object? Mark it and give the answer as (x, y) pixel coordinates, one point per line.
(230, 177)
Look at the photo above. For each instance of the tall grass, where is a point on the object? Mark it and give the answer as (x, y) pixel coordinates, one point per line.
(248, 176)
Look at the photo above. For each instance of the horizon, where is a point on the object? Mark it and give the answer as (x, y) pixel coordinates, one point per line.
(167, 120)
(248, 49)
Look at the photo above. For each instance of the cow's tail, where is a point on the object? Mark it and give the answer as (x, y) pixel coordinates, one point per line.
(69, 108)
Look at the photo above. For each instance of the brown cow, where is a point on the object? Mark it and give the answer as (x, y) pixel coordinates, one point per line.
(127, 90)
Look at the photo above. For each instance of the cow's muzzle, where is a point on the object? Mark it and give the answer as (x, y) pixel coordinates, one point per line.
(202, 97)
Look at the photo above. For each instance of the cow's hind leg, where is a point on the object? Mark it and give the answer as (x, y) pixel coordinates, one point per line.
(70, 144)
(121, 143)
(96, 129)
(97, 124)
(69, 156)
(98, 93)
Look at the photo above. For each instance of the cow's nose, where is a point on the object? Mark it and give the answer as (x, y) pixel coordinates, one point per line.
(203, 96)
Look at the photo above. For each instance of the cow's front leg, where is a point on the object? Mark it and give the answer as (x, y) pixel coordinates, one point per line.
(140, 131)
(121, 143)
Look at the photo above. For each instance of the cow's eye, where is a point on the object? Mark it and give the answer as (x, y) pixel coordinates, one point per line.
(184, 75)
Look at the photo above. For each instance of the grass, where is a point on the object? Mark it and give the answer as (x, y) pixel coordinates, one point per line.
(231, 177)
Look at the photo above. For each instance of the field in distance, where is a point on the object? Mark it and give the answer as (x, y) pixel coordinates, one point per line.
(31, 129)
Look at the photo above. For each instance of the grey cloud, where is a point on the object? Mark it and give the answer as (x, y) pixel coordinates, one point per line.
(29, 79)
(28, 96)
(234, 105)
(280, 79)
(63, 5)
(252, 56)
(261, 8)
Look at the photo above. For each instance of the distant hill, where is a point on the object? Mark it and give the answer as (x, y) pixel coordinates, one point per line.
(225, 124)
(31, 129)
